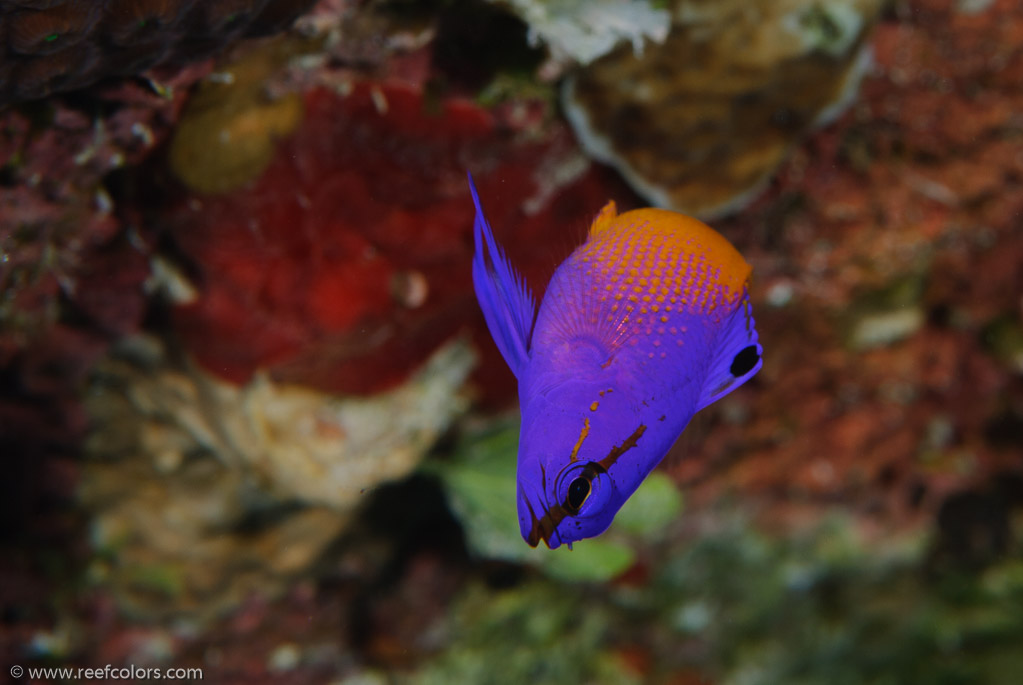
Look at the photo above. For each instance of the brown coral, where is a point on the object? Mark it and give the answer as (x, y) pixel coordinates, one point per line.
(60, 45)
(700, 122)
(227, 133)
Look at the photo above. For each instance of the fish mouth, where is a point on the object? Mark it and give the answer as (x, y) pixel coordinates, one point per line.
(536, 528)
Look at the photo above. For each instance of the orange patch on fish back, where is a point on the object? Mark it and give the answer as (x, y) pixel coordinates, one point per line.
(660, 261)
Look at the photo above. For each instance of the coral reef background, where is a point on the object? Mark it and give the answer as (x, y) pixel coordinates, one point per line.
(251, 420)
(61, 45)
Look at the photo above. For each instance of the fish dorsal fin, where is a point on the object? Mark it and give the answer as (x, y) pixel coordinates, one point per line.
(507, 303)
(604, 219)
(738, 356)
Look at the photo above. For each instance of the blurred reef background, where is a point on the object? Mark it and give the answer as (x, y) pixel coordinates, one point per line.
(251, 420)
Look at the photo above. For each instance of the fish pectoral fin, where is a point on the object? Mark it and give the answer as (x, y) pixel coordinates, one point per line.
(507, 303)
(738, 357)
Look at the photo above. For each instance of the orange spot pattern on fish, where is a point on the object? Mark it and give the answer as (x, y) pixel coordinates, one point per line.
(650, 271)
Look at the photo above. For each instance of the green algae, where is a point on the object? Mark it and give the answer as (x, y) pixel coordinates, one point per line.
(887, 315)
(164, 579)
(1003, 338)
(747, 609)
(537, 633)
(832, 28)
(480, 482)
(826, 606)
(651, 510)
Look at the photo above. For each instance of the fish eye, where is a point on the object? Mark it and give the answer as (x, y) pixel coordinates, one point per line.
(578, 491)
(580, 485)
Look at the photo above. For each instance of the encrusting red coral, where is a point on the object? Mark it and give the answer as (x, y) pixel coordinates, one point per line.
(69, 271)
(346, 263)
(71, 281)
(920, 182)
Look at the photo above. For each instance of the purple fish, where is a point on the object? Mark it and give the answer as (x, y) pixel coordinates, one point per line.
(643, 325)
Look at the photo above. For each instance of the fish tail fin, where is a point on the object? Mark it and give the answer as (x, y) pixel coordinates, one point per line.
(507, 303)
(739, 356)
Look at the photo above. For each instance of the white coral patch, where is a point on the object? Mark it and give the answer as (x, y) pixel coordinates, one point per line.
(586, 29)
